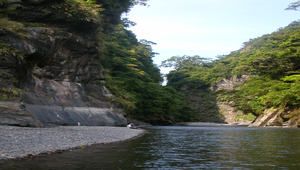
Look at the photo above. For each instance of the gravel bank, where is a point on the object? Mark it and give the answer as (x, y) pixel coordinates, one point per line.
(20, 141)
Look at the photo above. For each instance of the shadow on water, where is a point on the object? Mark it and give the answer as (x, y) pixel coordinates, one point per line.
(178, 147)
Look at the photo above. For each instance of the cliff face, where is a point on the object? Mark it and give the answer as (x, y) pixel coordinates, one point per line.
(50, 72)
(205, 104)
(229, 84)
(278, 117)
(270, 117)
(228, 109)
(212, 106)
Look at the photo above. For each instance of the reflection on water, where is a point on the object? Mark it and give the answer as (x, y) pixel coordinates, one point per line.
(174, 147)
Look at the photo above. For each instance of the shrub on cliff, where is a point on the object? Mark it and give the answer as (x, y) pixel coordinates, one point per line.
(272, 60)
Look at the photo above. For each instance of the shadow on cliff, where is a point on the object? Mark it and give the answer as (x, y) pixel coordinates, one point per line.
(60, 77)
(204, 104)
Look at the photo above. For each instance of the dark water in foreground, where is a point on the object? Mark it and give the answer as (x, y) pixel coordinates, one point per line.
(175, 147)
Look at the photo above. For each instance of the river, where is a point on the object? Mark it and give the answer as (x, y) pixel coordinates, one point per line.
(181, 147)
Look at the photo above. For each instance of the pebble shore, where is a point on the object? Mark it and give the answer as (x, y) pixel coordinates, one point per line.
(17, 142)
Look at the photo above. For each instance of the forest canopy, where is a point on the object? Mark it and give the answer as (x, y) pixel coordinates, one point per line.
(272, 62)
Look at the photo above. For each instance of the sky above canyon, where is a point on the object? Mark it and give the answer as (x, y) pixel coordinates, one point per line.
(207, 28)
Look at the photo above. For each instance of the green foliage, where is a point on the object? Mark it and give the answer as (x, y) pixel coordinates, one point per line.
(10, 93)
(134, 80)
(129, 70)
(6, 11)
(140, 2)
(246, 117)
(282, 94)
(88, 11)
(292, 78)
(178, 62)
(2, 2)
(6, 51)
(190, 71)
(272, 60)
(293, 6)
(260, 93)
(47, 12)
(13, 26)
(127, 23)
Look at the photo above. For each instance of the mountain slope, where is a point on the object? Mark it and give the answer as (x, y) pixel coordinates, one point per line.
(271, 65)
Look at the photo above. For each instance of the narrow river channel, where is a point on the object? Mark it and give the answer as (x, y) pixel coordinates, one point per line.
(182, 147)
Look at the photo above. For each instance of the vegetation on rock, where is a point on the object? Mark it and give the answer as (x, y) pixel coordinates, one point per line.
(130, 74)
(135, 81)
(272, 60)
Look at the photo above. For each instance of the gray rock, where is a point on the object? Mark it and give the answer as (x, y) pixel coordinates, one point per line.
(12, 114)
(77, 116)
(59, 77)
(229, 84)
(14, 1)
(267, 118)
(19, 142)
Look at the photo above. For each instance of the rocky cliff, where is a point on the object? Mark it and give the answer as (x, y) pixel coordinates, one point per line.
(50, 72)
(209, 105)
(270, 116)
(228, 109)
(278, 117)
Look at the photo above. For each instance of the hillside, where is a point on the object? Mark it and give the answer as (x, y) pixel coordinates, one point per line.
(72, 62)
(263, 75)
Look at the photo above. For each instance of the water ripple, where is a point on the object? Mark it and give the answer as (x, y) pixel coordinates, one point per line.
(184, 148)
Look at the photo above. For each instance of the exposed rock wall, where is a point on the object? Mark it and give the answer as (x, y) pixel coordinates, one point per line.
(231, 115)
(228, 110)
(278, 117)
(270, 117)
(210, 107)
(58, 76)
(229, 84)
(205, 104)
(14, 113)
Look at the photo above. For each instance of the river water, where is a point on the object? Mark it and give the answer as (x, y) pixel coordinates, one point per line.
(182, 147)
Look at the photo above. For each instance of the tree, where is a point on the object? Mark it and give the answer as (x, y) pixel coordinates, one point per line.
(127, 23)
(272, 60)
(134, 80)
(185, 61)
(293, 6)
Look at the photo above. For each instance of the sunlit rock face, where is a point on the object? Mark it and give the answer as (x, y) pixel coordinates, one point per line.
(278, 117)
(60, 75)
(229, 84)
(228, 110)
(270, 117)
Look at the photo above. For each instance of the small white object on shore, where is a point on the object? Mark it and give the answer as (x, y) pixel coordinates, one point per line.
(16, 142)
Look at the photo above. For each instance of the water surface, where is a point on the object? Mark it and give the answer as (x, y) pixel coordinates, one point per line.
(183, 147)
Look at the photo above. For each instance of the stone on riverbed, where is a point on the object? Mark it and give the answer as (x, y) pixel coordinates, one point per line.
(20, 141)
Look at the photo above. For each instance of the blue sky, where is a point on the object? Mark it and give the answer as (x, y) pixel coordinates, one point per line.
(207, 28)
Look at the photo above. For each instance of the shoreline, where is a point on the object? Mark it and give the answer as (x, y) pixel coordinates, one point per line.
(21, 142)
(208, 124)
